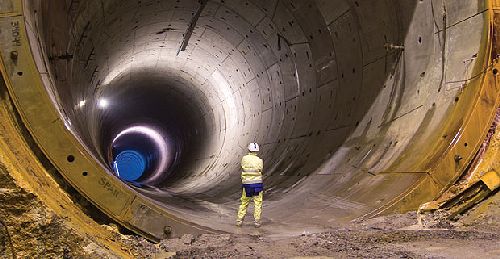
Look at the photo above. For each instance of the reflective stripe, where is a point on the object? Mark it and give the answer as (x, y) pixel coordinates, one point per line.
(250, 170)
(252, 181)
(251, 174)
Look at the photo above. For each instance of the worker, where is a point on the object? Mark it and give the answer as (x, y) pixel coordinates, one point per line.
(253, 187)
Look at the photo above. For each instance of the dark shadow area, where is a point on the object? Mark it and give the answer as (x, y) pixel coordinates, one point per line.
(163, 105)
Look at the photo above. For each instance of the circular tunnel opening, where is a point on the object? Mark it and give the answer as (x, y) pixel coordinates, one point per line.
(331, 90)
(149, 130)
(130, 165)
(140, 153)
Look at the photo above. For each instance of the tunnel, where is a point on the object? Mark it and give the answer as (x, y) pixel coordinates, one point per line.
(146, 107)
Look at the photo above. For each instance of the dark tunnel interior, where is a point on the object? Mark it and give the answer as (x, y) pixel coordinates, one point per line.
(176, 122)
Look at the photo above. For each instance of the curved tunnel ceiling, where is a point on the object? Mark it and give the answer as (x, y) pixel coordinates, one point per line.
(341, 95)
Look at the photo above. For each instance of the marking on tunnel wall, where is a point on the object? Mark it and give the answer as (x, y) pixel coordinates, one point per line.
(103, 182)
(15, 33)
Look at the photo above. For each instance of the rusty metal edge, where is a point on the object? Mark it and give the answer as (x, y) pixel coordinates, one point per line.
(488, 82)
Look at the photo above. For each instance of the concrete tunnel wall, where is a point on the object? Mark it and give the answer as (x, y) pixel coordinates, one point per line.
(312, 81)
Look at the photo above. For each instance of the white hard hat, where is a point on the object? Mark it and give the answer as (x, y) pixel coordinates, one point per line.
(253, 147)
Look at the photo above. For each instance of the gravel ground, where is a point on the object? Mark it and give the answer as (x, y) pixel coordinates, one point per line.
(30, 230)
(375, 238)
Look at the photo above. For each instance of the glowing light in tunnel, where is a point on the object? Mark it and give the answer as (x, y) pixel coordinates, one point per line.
(82, 103)
(103, 103)
(158, 140)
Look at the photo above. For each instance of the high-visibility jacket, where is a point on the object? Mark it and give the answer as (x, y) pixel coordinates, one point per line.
(251, 169)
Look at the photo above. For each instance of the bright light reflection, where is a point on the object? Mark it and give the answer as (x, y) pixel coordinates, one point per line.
(159, 141)
(115, 167)
(82, 103)
(126, 66)
(225, 89)
(103, 103)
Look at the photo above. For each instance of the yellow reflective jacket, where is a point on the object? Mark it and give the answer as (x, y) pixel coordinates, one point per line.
(251, 166)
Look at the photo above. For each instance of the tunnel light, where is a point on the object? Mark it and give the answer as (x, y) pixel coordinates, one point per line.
(81, 103)
(103, 103)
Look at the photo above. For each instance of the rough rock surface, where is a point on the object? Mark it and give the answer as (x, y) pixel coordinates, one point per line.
(28, 229)
(485, 217)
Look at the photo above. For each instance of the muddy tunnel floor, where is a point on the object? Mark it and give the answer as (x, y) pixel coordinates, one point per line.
(30, 230)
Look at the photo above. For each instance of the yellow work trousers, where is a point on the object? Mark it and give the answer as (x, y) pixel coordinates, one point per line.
(242, 211)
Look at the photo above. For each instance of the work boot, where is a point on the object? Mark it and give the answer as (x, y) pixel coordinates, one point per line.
(257, 224)
(239, 223)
